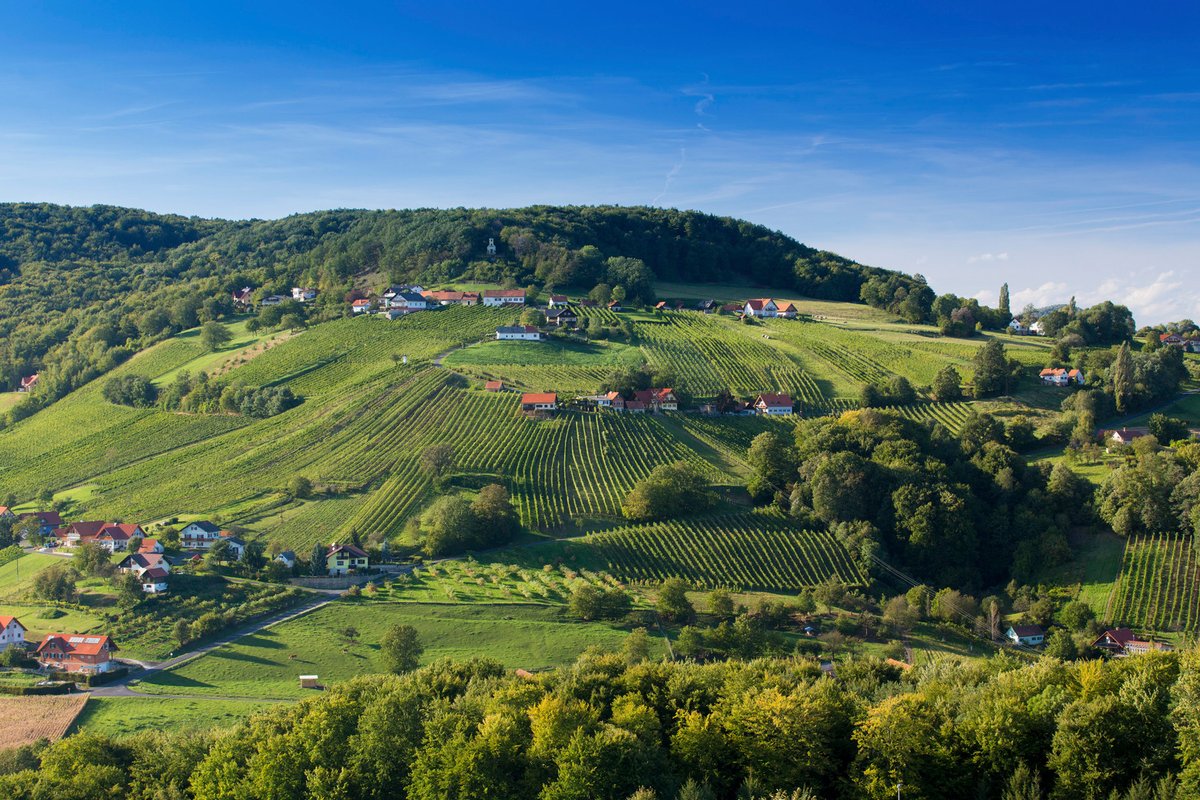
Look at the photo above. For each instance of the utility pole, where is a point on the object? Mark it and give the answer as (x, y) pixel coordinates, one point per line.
(898, 785)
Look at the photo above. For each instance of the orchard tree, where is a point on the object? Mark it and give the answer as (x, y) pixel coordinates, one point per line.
(214, 336)
(672, 601)
(401, 649)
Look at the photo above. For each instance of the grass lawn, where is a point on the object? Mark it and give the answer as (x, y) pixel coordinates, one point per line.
(16, 577)
(1186, 408)
(40, 619)
(1094, 569)
(551, 352)
(121, 716)
(269, 663)
(210, 361)
(8, 400)
(1094, 473)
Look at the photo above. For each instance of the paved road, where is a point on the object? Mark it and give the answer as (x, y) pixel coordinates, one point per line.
(121, 689)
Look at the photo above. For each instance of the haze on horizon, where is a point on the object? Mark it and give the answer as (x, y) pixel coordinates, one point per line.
(1052, 147)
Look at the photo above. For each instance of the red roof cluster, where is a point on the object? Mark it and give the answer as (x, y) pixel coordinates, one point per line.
(76, 644)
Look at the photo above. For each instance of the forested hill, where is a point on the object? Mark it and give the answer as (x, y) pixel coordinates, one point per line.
(83, 288)
(539, 244)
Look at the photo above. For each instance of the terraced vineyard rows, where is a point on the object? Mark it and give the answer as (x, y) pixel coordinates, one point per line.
(709, 357)
(1159, 585)
(951, 415)
(741, 551)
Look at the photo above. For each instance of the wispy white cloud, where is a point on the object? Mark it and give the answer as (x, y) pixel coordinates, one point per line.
(986, 257)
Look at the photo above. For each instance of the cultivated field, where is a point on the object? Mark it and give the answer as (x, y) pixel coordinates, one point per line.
(25, 720)
(1159, 585)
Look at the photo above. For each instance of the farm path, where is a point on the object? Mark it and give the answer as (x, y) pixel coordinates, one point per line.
(121, 688)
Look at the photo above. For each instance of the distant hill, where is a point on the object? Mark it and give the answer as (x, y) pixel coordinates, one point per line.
(83, 288)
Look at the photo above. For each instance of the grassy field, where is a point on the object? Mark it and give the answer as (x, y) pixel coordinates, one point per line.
(269, 663)
(241, 348)
(121, 716)
(16, 577)
(1094, 569)
(8, 400)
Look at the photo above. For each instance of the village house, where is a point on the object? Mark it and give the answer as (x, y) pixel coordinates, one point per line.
(287, 558)
(761, 307)
(615, 307)
(504, 297)
(661, 305)
(559, 301)
(140, 563)
(79, 653)
(657, 399)
(12, 633)
(773, 404)
(392, 291)
(303, 294)
(150, 546)
(562, 317)
(450, 298)
(199, 535)
(1125, 435)
(237, 547)
(1122, 642)
(6, 513)
(28, 382)
(494, 386)
(47, 520)
(1026, 635)
(1018, 328)
(787, 310)
(526, 333)
(1057, 376)
(342, 559)
(732, 308)
(154, 581)
(408, 302)
(535, 402)
(243, 297)
(707, 306)
(1172, 339)
(112, 536)
(360, 306)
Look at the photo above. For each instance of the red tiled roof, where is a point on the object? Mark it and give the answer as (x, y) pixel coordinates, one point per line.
(774, 400)
(786, 307)
(504, 293)
(28, 381)
(538, 398)
(148, 546)
(78, 643)
(558, 298)
(1028, 630)
(759, 303)
(5, 621)
(494, 385)
(358, 303)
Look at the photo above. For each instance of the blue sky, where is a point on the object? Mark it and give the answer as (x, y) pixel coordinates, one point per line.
(1052, 145)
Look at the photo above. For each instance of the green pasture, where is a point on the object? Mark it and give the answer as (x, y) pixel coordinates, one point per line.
(238, 347)
(16, 577)
(42, 619)
(8, 400)
(269, 663)
(122, 716)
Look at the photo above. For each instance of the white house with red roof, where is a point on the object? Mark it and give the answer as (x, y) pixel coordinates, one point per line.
(6, 513)
(140, 563)
(761, 307)
(1057, 376)
(154, 581)
(657, 399)
(76, 652)
(303, 294)
(1026, 635)
(773, 404)
(504, 297)
(1124, 642)
(149, 546)
(12, 633)
(28, 382)
(787, 310)
(112, 536)
(360, 306)
(532, 402)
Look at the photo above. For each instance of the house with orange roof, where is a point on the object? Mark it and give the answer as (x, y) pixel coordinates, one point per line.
(787, 310)
(1058, 376)
(761, 307)
(539, 402)
(112, 536)
(6, 513)
(12, 632)
(76, 652)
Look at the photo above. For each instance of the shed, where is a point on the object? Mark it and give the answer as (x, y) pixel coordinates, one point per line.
(309, 682)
